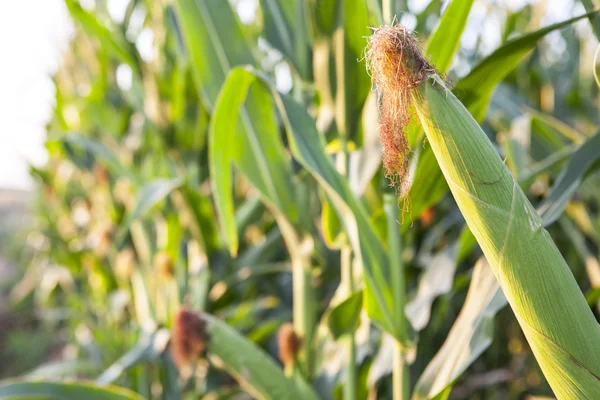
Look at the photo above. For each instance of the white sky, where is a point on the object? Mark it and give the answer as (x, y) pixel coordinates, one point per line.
(33, 34)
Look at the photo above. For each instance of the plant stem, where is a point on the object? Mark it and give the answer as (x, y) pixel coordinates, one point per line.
(303, 315)
(348, 280)
(400, 373)
(343, 121)
(388, 11)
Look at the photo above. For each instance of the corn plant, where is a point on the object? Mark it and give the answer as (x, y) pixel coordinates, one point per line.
(203, 231)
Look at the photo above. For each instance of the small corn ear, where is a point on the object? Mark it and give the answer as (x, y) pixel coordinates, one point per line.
(550, 307)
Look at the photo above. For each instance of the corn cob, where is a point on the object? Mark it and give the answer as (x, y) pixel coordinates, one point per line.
(539, 286)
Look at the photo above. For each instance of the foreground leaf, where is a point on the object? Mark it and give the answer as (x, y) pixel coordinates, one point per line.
(250, 365)
(445, 40)
(63, 391)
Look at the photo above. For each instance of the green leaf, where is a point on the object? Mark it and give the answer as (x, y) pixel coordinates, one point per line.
(332, 230)
(285, 29)
(594, 19)
(254, 369)
(471, 334)
(308, 149)
(344, 318)
(353, 83)
(149, 195)
(63, 391)
(110, 40)
(148, 347)
(569, 179)
(475, 90)
(215, 43)
(445, 40)
(257, 151)
(100, 152)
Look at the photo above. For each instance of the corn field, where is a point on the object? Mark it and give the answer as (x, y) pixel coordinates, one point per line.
(313, 199)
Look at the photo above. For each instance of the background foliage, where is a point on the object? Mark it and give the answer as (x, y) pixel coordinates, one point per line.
(234, 168)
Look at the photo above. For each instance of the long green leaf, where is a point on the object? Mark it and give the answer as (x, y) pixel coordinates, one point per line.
(475, 90)
(285, 28)
(110, 40)
(250, 365)
(445, 40)
(258, 154)
(63, 391)
(308, 149)
(353, 84)
(149, 195)
(569, 179)
(215, 42)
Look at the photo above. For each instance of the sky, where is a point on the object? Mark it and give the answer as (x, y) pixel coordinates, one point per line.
(34, 33)
(32, 36)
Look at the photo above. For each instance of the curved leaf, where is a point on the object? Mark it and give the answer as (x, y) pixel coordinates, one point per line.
(569, 179)
(475, 90)
(308, 149)
(215, 42)
(257, 152)
(250, 365)
(148, 196)
(285, 28)
(345, 317)
(64, 391)
(445, 40)
(112, 41)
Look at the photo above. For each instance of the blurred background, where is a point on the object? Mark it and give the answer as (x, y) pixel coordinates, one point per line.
(108, 216)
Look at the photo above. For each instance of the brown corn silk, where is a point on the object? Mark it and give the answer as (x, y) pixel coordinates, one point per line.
(396, 67)
(288, 344)
(188, 337)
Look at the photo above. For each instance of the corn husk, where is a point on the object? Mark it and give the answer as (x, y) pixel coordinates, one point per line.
(537, 282)
(550, 307)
